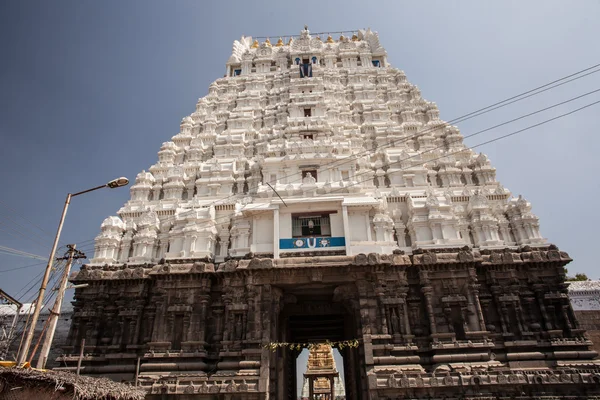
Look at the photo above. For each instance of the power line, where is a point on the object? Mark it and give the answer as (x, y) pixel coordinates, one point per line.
(296, 35)
(39, 280)
(36, 278)
(26, 266)
(500, 137)
(459, 151)
(26, 219)
(24, 235)
(473, 114)
(15, 252)
(23, 267)
(227, 217)
(511, 100)
(19, 333)
(17, 223)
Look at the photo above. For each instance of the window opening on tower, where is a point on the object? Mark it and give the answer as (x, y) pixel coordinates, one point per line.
(305, 68)
(311, 224)
(309, 174)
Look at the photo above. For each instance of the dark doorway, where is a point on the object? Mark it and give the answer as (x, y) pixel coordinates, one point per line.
(311, 316)
(458, 322)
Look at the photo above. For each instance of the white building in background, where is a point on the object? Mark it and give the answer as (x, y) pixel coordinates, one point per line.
(9, 345)
(355, 161)
(585, 295)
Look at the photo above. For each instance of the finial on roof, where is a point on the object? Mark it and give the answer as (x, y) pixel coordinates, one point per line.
(255, 44)
(279, 42)
(354, 38)
(305, 27)
(290, 41)
(268, 42)
(329, 39)
(342, 38)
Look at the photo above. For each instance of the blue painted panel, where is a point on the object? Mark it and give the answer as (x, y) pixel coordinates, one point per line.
(312, 242)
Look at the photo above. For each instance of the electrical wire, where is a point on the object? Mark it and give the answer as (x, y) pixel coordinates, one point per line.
(498, 138)
(227, 217)
(19, 253)
(26, 288)
(494, 106)
(19, 268)
(443, 156)
(38, 281)
(36, 236)
(44, 304)
(15, 212)
(23, 235)
(511, 100)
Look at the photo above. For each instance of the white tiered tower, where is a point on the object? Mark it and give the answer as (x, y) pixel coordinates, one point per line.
(363, 163)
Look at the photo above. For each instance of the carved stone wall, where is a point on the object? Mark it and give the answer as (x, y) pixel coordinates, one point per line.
(437, 323)
(589, 320)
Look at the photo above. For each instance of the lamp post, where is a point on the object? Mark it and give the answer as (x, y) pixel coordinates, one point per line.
(22, 357)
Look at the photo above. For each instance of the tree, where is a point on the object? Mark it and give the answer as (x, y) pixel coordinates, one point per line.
(577, 277)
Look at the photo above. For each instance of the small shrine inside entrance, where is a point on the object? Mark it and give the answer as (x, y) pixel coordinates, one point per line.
(321, 379)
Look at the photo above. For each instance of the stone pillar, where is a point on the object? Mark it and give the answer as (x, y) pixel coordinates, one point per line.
(202, 319)
(124, 251)
(428, 293)
(240, 184)
(478, 311)
(539, 296)
(332, 383)
(382, 310)
(517, 306)
(405, 316)
(218, 325)
(346, 229)
(158, 320)
(567, 322)
(276, 233)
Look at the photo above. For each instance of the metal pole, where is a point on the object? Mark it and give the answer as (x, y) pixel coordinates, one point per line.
(80, 356)
(137, 371)
(40, 299)
(55, 312)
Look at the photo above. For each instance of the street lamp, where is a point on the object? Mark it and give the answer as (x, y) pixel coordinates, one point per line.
(115, 183)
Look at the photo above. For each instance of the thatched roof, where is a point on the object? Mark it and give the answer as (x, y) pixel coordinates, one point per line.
(69, 385)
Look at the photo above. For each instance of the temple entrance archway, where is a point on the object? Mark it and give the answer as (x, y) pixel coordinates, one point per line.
(311, 315)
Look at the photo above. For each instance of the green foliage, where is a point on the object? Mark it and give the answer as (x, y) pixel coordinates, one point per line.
(273, 346)
(577, 277)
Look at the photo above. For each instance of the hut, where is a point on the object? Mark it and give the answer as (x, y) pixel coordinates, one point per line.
(21, 384)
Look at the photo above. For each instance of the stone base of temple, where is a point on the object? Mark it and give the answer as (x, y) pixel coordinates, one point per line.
(449, 323)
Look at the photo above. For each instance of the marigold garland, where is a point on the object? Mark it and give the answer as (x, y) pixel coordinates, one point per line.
(273, 346)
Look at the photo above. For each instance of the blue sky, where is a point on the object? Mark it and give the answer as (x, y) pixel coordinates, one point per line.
(90, 90)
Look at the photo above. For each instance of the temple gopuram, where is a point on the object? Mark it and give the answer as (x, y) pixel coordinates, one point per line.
(321, 379)
(313, 194)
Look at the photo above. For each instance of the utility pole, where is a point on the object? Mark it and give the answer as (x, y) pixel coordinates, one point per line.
(22, 356)
(72, 254)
